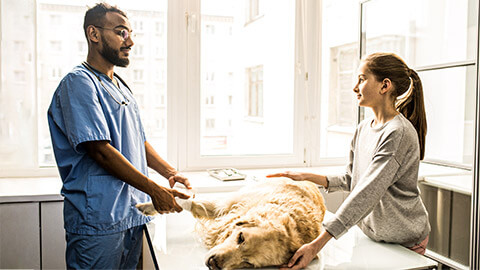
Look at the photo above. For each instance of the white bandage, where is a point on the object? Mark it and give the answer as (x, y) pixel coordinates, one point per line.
(186, 204)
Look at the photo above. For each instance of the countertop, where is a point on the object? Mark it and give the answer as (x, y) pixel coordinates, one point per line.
(457, 183)
(30, 189)
(48, 188)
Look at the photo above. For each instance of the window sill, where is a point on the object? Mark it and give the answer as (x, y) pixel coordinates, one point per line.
(41, 188)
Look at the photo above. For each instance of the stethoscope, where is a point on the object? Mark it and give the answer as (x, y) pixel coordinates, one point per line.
(92, 69)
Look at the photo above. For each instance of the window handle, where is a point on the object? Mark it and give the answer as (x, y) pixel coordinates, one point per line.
(191, 22)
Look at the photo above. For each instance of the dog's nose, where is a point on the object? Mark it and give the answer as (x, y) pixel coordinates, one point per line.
(212, 263)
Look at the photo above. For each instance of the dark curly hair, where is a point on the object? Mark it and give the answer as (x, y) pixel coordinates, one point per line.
(96, 15)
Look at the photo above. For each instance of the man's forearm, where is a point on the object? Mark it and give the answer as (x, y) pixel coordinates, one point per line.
(116, 164)
(155, 162)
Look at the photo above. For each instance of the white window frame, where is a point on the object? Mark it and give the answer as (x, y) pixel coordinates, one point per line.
(185, 102)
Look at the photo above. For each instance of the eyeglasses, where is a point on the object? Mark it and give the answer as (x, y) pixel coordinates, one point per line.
(124, 33)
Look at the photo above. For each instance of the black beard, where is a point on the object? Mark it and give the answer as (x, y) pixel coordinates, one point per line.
(112, 55)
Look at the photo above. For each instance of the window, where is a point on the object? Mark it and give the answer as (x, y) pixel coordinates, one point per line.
(339, 49)
(56, 45)
(56, 74)
(19, 76)
(159, 28)
(55, 19)
(138, 75)
(138, 26)
(19, 45)
(250, 72)
(138, 50)
(210, 123)
(252, 10)
(46, 56)
(255, 91)
(210, 29)
(439, 41)
(82, 47)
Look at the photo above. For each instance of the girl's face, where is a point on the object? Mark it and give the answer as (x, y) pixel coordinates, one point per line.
(367, 88)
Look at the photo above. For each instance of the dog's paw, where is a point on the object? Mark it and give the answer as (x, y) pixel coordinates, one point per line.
(147, 209)
(186, 204)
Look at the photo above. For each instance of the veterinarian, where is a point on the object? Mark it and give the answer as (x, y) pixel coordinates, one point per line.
(385, 155)
(102, 152)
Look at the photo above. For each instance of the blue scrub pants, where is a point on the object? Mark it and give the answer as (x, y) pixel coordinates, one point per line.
(112, 251)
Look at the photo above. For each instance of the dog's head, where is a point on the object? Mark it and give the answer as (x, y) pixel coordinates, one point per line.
(252, 243)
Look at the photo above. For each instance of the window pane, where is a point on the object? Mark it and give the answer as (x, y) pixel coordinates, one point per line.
(253, 84)
(435, 31)
(450, 107)
(339, 64)
(146, 74)
(17, 85)
(61, 46)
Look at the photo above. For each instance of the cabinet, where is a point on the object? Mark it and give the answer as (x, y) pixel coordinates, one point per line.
(32, 235)
(52, 235)
(448, 202)
(20, 235)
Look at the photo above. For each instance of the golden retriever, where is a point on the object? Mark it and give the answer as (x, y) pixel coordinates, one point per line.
(260, 225)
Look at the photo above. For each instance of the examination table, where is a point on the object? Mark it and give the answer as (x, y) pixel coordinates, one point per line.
(176, 245)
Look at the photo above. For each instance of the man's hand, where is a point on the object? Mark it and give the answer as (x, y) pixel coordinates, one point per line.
(178, 177)
(297, 176)
(164, 199)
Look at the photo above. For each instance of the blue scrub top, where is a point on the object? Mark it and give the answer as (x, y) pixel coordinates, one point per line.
(82, 110)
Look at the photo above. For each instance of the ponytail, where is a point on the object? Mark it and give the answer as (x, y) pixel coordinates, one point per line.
(413, 108)
(408, 90)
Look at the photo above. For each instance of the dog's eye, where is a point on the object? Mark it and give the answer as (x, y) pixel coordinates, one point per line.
(241, 238)
(241, 223)
(248, 264)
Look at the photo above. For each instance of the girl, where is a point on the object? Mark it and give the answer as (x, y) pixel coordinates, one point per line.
(385, 154)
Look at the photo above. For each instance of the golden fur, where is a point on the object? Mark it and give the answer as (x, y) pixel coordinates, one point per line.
(261, 225)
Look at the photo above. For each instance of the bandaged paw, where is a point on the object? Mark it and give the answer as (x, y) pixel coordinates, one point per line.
(147, 209)
(186, 204)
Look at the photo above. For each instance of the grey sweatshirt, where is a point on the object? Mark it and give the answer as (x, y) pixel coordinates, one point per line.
(382, 177)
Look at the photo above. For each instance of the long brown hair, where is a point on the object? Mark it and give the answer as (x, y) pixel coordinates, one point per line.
(408, 90)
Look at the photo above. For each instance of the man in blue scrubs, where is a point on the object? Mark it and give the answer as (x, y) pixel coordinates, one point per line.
(102, 152)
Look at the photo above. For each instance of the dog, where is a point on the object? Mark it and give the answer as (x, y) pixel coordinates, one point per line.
(261, 225)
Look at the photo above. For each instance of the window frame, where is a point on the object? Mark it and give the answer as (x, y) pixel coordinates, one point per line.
(439, 66)
(183, 96)
(184, 81)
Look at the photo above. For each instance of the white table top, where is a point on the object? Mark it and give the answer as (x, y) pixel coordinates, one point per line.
(457, 183)
(177, 246)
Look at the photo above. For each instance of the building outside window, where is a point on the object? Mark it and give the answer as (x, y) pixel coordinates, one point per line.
(255, 91)
(252, 10)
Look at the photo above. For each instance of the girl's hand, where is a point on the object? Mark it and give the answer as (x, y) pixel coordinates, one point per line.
(297, 176)
(302, 258)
